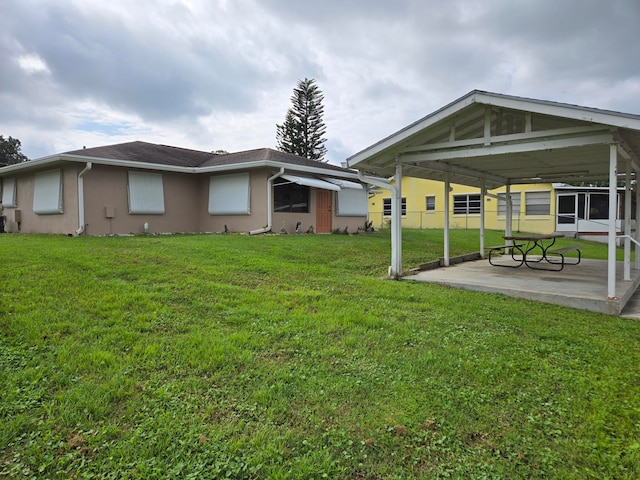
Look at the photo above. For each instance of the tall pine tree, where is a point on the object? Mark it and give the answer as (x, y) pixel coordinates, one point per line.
(303, 130)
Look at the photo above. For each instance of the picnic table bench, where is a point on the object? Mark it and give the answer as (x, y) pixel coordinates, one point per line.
(532, 251)
(502, 249)
(561, 251)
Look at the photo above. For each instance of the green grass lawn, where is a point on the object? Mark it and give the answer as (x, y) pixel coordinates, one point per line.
(287, 357)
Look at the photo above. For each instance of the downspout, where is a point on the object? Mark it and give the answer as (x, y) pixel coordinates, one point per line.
(269, 204)
(80, 229)
(395, 270)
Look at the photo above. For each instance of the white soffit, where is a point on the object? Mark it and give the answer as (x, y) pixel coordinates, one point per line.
(344, 183)
(311, 182)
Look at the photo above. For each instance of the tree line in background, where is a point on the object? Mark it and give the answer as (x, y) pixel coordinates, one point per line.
(10, 151)
(302, 132)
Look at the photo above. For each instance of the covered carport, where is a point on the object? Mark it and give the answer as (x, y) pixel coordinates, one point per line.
(488, 140)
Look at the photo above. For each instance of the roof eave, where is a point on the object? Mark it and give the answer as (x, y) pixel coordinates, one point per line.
(173, 168)
(574, 112)
(413, 128)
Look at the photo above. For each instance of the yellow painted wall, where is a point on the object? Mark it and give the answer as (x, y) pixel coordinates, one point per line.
(415, 190)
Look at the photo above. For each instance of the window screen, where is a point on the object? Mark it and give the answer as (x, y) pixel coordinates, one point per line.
(146, 195)
(47, 193)
(352, 203)
(515, 204)
(9, 192)
(538, 203)
(598, 206)
(290, 197)
(230, 194)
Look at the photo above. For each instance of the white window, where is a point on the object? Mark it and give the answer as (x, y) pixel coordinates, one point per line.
(146, 194)
(386, 205)
(9, 192)
(538, 203)
(466, 204)
(47, 193)
(515, 204)
(430, 203)
(230, 194)
(352, 203)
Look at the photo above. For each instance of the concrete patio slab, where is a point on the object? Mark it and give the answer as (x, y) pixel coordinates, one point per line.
(582, 286)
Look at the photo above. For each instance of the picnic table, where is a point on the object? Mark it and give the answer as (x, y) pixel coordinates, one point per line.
(536, 252)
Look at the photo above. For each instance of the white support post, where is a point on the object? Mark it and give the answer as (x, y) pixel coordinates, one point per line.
(508, 228)
(627, 222)
(611, 256)
(483, 193)
(396, 225)
(637, 231)
(447, 186)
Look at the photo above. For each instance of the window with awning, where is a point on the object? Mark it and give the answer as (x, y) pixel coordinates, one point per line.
(290, 197)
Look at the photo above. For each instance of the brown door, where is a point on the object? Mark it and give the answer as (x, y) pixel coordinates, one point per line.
(323, 211)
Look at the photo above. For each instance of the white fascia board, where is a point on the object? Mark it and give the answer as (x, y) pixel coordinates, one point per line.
(36, 163)
(39, 162)
(127, 163)
(574, 112)
(413, 129)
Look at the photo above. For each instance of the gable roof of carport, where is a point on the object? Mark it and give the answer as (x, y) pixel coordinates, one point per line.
(488, 139)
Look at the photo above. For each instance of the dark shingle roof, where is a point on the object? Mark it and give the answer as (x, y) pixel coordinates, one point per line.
(268, 155)
(166, 155)
(147, 153)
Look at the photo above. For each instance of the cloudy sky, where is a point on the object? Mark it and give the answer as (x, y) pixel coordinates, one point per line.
(219, 74)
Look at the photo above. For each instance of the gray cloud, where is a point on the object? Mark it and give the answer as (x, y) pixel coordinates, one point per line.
(219, 74)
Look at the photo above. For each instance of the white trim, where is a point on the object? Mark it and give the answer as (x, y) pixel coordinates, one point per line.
(54, 159)
(574, 112)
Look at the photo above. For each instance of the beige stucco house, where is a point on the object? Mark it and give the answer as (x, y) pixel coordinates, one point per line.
(138, 187)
